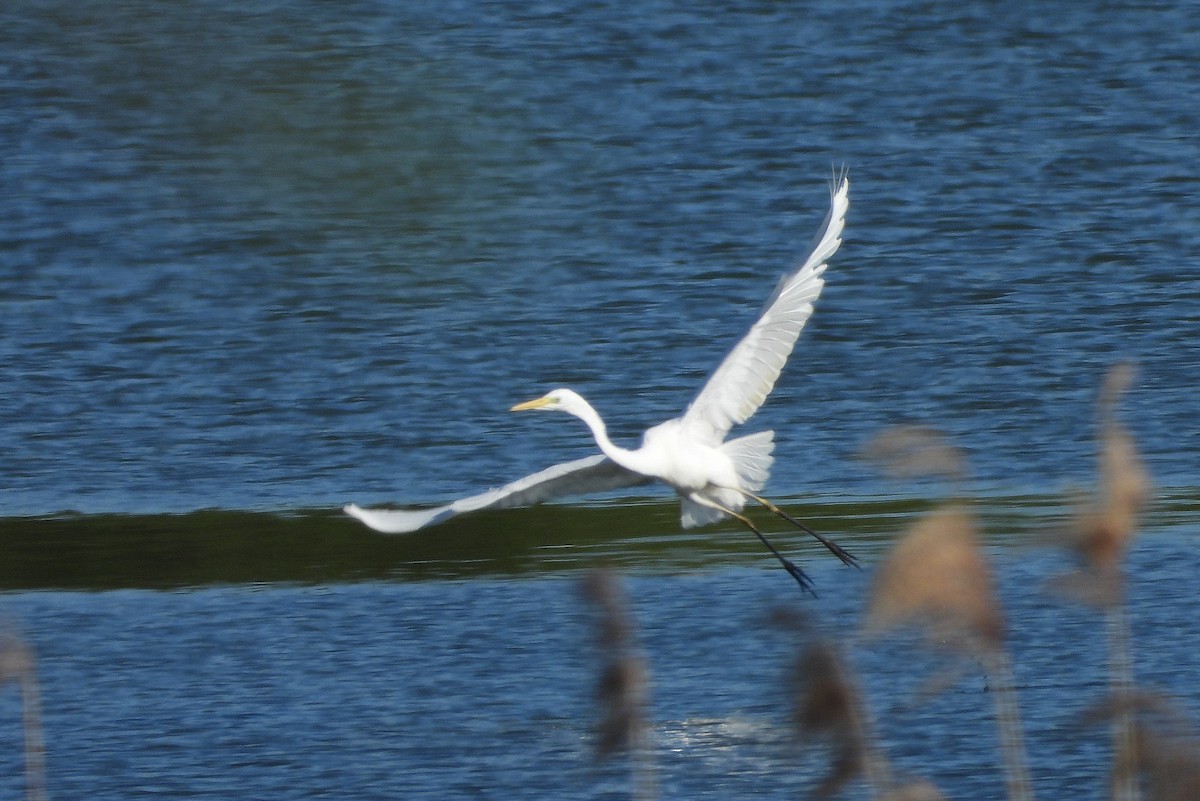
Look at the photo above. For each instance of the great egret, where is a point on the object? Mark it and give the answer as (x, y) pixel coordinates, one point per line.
(713, 477)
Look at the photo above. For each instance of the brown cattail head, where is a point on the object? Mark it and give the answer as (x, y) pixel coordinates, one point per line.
(623, 685)
(919, 790)
(936, 576)
(1169, 765)
(826, 704)
(1125, 486)
(1166, 752)
(1104, 529)
(826, 701)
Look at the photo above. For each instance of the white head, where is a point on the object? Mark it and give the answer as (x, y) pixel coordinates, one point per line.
(556, 400)
(564, 400)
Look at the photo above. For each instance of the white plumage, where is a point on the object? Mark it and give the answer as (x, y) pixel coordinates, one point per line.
(714, 477)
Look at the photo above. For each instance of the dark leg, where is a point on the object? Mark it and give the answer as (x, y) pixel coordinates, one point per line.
(835, 549)
(791, 567)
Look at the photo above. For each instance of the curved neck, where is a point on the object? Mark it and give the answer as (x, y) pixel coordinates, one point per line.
(625, 458)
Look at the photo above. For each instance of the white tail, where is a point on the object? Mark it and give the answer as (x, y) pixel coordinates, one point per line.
(752, 459)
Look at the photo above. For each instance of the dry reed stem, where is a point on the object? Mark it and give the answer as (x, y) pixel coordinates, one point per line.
(17, 664)
(1124, 488)
(1120, 682)
(623, 688)
(1103, 532)
(1008, 720)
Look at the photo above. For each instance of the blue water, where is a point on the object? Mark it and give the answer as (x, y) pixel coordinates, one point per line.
(270, 258)
(485, 688)
(261, 256)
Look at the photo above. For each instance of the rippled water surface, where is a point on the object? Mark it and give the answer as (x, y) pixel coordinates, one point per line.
(260, 259)
(485, 687)
(261, 256)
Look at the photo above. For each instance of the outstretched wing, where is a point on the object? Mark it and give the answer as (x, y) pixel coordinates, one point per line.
(591, 474)
(747, 375)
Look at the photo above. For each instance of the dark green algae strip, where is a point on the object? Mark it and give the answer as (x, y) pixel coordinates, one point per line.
(214, 547)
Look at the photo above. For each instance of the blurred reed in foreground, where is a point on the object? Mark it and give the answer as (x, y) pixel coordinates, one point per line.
(1102, 533)
(623, 688)
(17, 665)
(936, 578)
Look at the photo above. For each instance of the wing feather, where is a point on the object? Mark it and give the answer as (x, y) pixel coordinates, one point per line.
(743, 380)
(591, 474)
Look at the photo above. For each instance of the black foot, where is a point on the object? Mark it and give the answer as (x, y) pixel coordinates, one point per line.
(799, 575)
(835, 549)
(838, 551)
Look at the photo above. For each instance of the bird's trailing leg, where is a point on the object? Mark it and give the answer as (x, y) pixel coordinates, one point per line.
(835, 549)
(791, 567)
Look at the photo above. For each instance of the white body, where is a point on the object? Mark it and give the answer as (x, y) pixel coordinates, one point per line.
(689, 453)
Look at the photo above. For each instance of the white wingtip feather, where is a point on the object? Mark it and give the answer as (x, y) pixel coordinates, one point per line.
(394, 521)
(829, 239)
(747, 375)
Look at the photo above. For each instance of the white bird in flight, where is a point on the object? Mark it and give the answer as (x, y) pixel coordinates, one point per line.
(714, 477)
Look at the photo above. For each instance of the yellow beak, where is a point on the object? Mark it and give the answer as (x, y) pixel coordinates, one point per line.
(533, 404)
